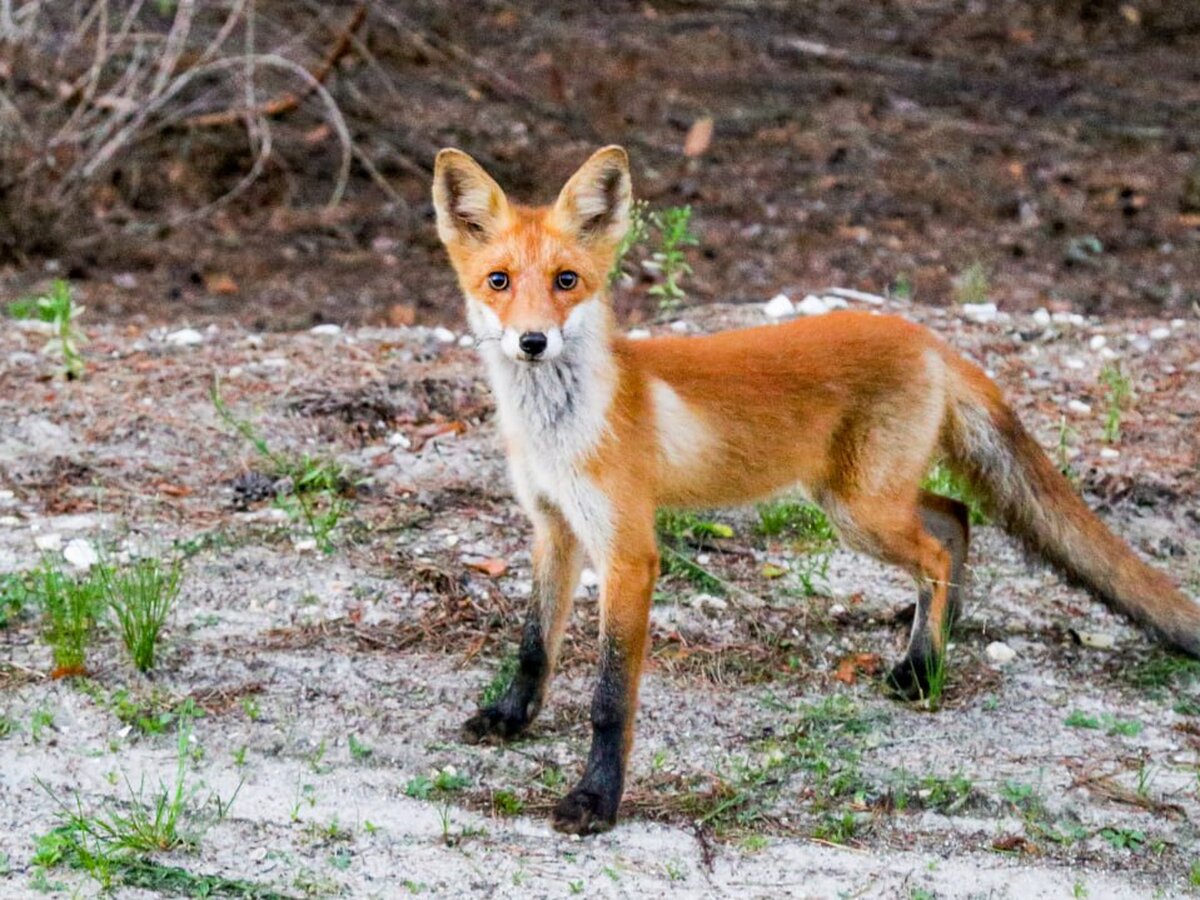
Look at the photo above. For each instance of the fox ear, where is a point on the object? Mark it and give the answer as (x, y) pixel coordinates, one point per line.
(469, 204)
(594, 204)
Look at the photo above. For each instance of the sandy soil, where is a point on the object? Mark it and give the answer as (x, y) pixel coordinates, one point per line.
(756, 771)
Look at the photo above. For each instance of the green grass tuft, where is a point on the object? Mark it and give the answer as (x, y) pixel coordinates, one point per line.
(141, 596)
(941, 480)
(72, 605)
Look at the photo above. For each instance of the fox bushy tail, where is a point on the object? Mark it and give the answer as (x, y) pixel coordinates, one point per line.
(1032, 500)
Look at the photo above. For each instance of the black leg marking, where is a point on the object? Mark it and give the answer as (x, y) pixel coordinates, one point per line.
(515, 710)
(591, 806)
(949, 522)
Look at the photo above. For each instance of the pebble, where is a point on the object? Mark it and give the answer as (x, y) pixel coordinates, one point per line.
(185, 337)
(680, 327)
(1042, 317)
(396, 439)
(1074, 363)
(1177, 323)
(305, 545)
(778, 307)
(589, 579)
(983, 313)
(1160, 334)
(1096, 640)
(467, 340)
(1000, 653)
(812, 305)
(1140, 344)
(328, 329)
(1078, 406)
(81, 554)
(1097, 342)
(48, 543)
(638, 334)
(444, 335)
(126, 281)
(702, 600)
(861, 296)
(1109, 453)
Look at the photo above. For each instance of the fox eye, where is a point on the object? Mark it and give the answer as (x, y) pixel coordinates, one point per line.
(497, 281)
(566, 281)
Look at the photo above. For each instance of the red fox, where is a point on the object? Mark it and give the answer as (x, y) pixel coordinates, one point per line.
(849, 408)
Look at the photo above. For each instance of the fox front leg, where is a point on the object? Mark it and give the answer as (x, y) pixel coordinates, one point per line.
(591, 806)
(556, 565)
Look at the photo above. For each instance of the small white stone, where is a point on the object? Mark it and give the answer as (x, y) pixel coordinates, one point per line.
(185, 337)
(328, 329)
(1108, 353)
(451, 540)
(1109, 453)
(1097, 342)
(837, 610)
(1160, 334)
(126, 281)
(812, 305)
(81, 554)
(680, 327)
(396, 439)
(1042, 317)
(860, 296)
(305, 545)
(637, 334)
(1177, 323)
(444, 335)
(832, 303)
(1000, 653)
(1140, 344)
(466, 341)
(48, 543)
(983, 313)
(778, 307)
(702, 600)
(1073, 363)
(589, 579)
(1061, 318)
(1079, 407)
(1096, 640)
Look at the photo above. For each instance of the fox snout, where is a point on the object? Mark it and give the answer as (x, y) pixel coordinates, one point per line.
(532, 345)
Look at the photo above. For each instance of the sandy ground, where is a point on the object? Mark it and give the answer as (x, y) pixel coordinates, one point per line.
(756, 772)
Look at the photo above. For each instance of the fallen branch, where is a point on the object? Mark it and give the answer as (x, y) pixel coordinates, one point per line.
(290, 101)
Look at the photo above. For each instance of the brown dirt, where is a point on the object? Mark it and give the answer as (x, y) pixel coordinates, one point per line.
(855, 144)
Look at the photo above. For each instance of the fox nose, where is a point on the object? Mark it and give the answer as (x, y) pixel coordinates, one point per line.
(532, 343)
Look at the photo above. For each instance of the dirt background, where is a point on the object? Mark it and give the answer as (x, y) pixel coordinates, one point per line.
(854, 144)
(860, 145)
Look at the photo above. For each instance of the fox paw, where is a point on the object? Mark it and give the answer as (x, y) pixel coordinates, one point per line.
(909, 679)
(493, 724)
(584, 812)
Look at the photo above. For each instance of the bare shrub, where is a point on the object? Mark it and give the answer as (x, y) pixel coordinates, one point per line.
(100, 100)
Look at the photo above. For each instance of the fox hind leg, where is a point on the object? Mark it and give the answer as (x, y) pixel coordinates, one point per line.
(928, 538)
(939, 598)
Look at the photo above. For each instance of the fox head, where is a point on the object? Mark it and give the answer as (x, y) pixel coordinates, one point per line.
(535, 278)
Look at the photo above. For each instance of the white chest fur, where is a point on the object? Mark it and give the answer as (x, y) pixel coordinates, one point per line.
(553, 416)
